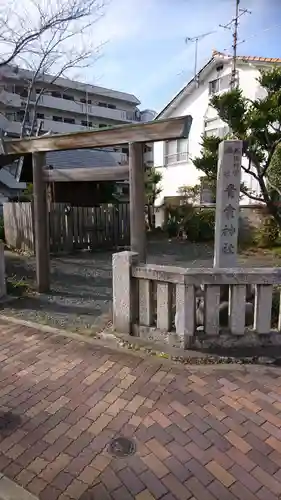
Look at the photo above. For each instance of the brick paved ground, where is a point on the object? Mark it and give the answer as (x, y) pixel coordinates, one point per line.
(200, 433)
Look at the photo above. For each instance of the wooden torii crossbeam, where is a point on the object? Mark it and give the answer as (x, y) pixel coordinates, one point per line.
(158, 130)
(97, 174)
(133, 134)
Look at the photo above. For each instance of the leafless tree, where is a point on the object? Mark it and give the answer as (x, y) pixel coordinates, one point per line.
(23, 23)
(60, 41)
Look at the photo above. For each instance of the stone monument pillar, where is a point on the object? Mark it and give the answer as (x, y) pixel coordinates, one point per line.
(227, 203)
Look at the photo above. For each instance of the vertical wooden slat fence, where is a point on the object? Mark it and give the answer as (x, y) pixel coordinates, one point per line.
(70, 228)
(18, 222)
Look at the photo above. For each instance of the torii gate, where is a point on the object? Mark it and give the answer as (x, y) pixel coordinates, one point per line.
(136, 135)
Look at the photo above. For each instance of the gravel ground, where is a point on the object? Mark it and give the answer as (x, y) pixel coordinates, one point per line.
(81, 295)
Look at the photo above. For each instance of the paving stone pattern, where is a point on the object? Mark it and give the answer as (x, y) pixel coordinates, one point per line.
(200, 433)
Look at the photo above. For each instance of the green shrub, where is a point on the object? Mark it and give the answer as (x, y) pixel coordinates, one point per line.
(172, 227)
(200, 225)
(268, 234)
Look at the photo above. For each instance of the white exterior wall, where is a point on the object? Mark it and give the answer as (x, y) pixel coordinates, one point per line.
(197, 105)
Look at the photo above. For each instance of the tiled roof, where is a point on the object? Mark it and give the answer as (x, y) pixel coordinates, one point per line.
(80, 158)
(248, 58)
(215, 55)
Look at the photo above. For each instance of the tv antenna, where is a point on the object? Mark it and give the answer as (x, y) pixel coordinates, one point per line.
(234, 25)
(196, 40)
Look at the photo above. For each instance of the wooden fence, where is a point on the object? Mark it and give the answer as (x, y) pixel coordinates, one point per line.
(70, 228)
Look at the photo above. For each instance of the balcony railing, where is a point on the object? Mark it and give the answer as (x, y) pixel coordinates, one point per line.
(82, 108)
(61, 104)
(176, 158)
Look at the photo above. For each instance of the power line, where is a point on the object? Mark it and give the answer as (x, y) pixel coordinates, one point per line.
(253, 36)
(257, 34)
(234, 25)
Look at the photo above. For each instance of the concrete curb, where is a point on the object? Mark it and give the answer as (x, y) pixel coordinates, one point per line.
(110, 340)
(12, 491)
(111, 344)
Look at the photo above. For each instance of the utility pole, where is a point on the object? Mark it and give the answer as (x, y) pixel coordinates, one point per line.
(234, 26)
(196, 40)
(87, 108)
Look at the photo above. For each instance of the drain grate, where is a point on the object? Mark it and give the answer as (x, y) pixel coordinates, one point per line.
(9, 421)
(122, 447)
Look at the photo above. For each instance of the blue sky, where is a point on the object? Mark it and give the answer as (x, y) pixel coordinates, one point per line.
(146, 52)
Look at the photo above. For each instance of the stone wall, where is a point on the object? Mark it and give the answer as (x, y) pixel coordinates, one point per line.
(188, 307)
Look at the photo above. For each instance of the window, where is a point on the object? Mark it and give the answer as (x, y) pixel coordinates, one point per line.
(54, 93)
(84, 101)
(182, 149)
(22, 91)
(211, 132)
(9, 88)
(20, 116)
(221, 84)
(10, 116)
(125, 150)
(102, 104)
(176, 151)
(111, 106)
(86, 124)
(68, 97)
(214, 86)
(102, 125)
(40, 116)
(217, 132)
(69, 120)
(57, 118)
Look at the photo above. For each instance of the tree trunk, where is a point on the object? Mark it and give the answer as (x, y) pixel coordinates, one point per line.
(149, 217)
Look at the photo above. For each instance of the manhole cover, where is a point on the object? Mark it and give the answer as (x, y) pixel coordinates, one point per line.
(122, 447)
(9, 421)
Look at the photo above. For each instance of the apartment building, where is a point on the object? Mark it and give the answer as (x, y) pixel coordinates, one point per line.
(65, 106)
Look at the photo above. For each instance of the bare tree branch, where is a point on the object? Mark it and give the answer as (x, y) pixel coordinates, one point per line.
(250, 194)
(21, 26)
(72, 63)
(65, 45)
(250, 172)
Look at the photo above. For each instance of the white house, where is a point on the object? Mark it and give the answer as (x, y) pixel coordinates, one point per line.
(174, 158)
